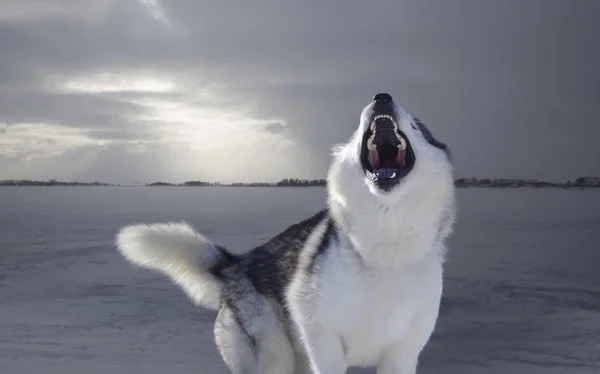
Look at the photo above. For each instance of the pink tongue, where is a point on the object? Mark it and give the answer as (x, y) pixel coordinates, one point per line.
(400, 159)
(374, 159)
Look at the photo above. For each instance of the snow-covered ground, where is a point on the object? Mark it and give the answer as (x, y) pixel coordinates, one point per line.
(522, 291)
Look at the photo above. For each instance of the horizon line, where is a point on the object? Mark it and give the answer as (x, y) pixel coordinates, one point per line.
(296, 180)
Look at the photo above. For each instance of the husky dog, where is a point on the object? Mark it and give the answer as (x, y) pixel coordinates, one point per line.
(357, 284)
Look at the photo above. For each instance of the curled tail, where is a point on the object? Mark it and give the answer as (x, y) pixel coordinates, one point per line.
(177, 250)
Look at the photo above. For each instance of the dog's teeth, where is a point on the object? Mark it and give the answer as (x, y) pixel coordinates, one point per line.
(370, 145)
(384, 116)
(402, 144)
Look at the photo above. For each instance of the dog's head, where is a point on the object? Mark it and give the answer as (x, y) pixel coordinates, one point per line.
(390, 153)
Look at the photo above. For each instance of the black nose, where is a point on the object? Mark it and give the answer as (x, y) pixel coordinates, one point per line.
(383, 98)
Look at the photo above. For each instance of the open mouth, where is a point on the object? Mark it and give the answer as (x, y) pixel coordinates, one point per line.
(386, 154)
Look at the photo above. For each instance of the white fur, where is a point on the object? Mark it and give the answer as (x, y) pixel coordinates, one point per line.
(377, 295)
(178, 251)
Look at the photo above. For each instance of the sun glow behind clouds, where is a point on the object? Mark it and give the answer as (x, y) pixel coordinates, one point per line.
(183, 129)
(175, 111)
(199, 127)
(220, 144)
(117, 83)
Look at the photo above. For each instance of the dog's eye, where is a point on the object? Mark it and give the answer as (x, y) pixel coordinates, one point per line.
(415, 123)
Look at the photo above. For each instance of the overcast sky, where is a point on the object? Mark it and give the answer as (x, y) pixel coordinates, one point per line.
(129, 91)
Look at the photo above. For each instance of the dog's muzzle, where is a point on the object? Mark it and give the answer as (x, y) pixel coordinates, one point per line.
(387, 156)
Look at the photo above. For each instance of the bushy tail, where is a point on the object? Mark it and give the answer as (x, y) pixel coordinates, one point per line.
(177, 250)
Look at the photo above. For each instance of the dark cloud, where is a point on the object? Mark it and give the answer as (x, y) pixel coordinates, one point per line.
(274, 128)
(74, 110)
(511, 86)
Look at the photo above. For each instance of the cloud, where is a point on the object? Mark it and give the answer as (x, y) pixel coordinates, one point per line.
(156, 11)
(111, 83)
(162, 83)
(274, 128)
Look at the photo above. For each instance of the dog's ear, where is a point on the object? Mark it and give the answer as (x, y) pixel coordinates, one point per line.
(419, 125)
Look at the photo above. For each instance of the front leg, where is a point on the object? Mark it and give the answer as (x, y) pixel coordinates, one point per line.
(399, 361)
(325, 349)
(403, 357)
(322, 346)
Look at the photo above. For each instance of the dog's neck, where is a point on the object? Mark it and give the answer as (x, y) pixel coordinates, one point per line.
(388, 234)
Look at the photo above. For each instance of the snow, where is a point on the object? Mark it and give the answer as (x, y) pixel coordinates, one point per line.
(522, 290)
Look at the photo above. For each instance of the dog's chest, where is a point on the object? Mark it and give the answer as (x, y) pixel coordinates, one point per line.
(372, 311)
(385, 238)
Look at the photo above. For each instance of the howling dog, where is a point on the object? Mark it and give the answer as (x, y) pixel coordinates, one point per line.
(357, 284)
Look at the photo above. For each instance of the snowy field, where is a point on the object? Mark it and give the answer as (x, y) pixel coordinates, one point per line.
(522, 291)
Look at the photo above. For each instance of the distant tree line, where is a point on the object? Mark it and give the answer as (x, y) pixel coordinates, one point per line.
(503, 182)
(185, 184)
(253, 184)
(579, 182)
(51, 182)
(287, 182)
(293, 182)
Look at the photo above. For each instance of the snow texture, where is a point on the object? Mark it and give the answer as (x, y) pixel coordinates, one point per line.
(522, 287)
